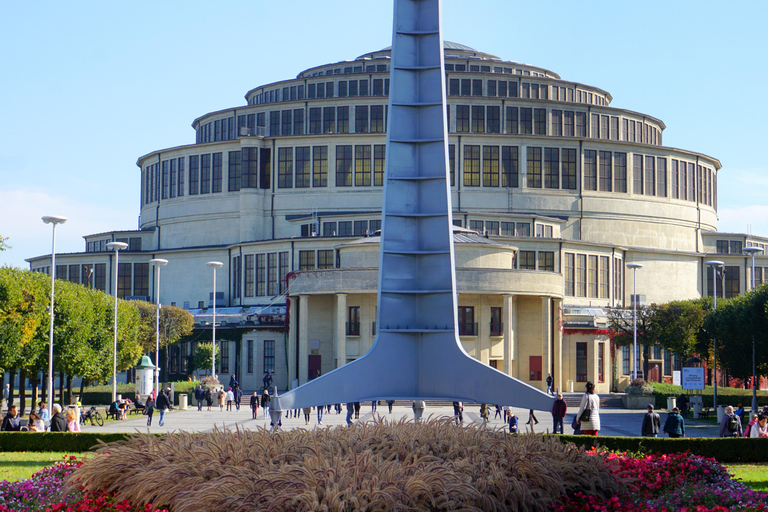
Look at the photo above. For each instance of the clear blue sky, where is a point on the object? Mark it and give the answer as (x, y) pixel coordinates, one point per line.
(88, 87)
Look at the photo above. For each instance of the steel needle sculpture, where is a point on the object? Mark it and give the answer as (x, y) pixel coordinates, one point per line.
(417, 354)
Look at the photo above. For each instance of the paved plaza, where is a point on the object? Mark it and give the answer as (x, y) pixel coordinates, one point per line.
(614, 422)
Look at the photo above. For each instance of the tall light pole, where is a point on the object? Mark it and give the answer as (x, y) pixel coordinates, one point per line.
(634, 267)
(214, 265)
(52, 219)
(157, 262)
(116, 246)
(715, 264)
(752, 251)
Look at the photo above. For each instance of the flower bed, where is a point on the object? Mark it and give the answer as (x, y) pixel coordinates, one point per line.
(666, 483)
(44, 491)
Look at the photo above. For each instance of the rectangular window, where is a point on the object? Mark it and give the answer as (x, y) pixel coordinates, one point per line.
(224, 356)
(601, 362)
(165, 179)
(581, 362)
(526, 121)
(592, 276)
(124, 279)
(353, 321)
(619, 172)
(510, 166)
(287, 122)
(511, 121)
(490, 166)
(496, 324)
(581, 275)
(618, 269)
(345, 228)
(329, 229)
(361, 119)
(478, 119)
(194, 175)
(360, 227)
(325, 259)
(661, 177)
(650, 175)
(604, 277)
(216, 174)
(471, 166)
(546, 261)
(205, 174)
(342, 120)
(453, 87)
(526, 260)
(614, 128)
(269, 355)
(522, 229)
(568, 124)
(540, 121)
(282, 262)
(329, 120)
(343, 166)
(237, 271)
(306, 260)
(569, 275)
(302, 167)
(377, 119)
(140, 278)
(272, 273)
(285, 168)
(467, 321)
(462, 118)
(551, 168)
(362, 166)
(250, 357)
(533, 164)
(172, 184)
(568, 169)
(557, 123)
(274, 123)
(234, 171)
(581, 124)
(637, 174)
(494, 121)
(261, 275)
(590, 169)
(249, 275)
(605, 177)
(320, 166)
(298, 121)
(315, 120)
(379, 152)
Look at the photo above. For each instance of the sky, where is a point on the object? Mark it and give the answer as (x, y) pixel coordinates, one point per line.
(89, 87)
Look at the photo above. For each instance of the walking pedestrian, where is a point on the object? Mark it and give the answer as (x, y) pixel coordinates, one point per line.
(320, 414)
(484, 412)
(390, 403)
(230, 399)
(497, 414)
(307, 411)
(238, 397)
(265, 399)
(350, 411)
(675, 424)
(512, 422)
(651, 423)
(199, 397)
(357, 410)
(149, 410)
(458, 412)
(221, 396)
(163, 404)
(374, 403)
(730, 426)
(208, 397)
(590, 421)
(549, 384)
(255, 405)
(559, 410)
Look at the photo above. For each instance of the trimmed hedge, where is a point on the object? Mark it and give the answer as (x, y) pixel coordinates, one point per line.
(729, 449)
(56, 441)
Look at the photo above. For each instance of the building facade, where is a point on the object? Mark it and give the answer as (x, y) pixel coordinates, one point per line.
(554, 192)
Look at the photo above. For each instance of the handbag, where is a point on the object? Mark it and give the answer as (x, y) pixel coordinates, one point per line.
(586, 414)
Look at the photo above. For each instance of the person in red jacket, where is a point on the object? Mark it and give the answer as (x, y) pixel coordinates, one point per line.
(558, 413)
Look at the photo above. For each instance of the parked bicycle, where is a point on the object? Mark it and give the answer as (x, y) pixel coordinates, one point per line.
(91, 415)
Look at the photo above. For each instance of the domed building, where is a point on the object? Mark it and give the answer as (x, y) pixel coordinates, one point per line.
(554, 192)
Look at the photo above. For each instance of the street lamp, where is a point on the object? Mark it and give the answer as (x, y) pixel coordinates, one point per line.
(214, 265)
(116, 246)
(752, 251)
(52, 219)
(634, 267)
(715, 265)
(157, 262)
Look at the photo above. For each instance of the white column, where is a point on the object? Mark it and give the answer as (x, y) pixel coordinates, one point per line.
(546, 335)
(340, 330)
(510, 330)
(292, 334)
(558, 370)
(303, 335)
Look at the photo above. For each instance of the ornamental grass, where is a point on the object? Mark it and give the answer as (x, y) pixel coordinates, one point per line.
(379, 466)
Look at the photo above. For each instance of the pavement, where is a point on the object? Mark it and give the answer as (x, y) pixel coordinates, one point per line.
(614, 421)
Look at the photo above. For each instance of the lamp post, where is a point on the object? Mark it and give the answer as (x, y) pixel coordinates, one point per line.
(752, 251)
(715, 264)
(52, 219)
(214, 265)
(116, 246)
(634, 267)
(157, 262)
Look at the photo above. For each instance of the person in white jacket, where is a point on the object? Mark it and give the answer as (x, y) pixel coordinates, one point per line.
(760, 429)
(230, 399)
(590, 400)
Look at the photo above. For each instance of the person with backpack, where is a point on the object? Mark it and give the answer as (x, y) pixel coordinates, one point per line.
(675, 424)
(730, 426)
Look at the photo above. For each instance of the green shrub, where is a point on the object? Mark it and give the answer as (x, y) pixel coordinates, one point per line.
(55, 441)
(725, 396)
(729, 449)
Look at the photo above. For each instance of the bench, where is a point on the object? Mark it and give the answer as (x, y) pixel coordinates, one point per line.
(704, 412)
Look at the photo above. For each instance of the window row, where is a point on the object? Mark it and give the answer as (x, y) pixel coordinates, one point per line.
(328, 89)
(588, 275)
(132, 278)
(320, 259)
(670, 361)
(728, 281)
(259, 275)
(508, 229)
(533, 260)
(134, 244)
(493, 88)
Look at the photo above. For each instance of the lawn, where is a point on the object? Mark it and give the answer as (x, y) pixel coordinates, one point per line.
(20, 465)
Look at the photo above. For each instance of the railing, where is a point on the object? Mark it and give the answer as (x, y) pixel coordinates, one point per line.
(497, 328)
(353, 328)
(467, 328)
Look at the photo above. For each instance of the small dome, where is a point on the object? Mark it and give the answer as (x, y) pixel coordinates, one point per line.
(145, 363)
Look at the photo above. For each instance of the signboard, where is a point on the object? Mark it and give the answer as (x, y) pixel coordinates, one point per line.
(676, 377)
(693, 378)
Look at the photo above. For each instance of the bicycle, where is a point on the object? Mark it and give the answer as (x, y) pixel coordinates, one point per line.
(91, 415)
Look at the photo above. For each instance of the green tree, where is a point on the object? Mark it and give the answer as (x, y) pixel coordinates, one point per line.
(202, 358)
(678, 325)
(175, 323)
(4, 243)
(621, 322)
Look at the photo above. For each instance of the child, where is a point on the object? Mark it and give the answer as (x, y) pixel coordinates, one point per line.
(512, 421)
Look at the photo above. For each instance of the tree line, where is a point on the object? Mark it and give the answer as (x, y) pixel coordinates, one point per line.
(83, 331)
(689, 328)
